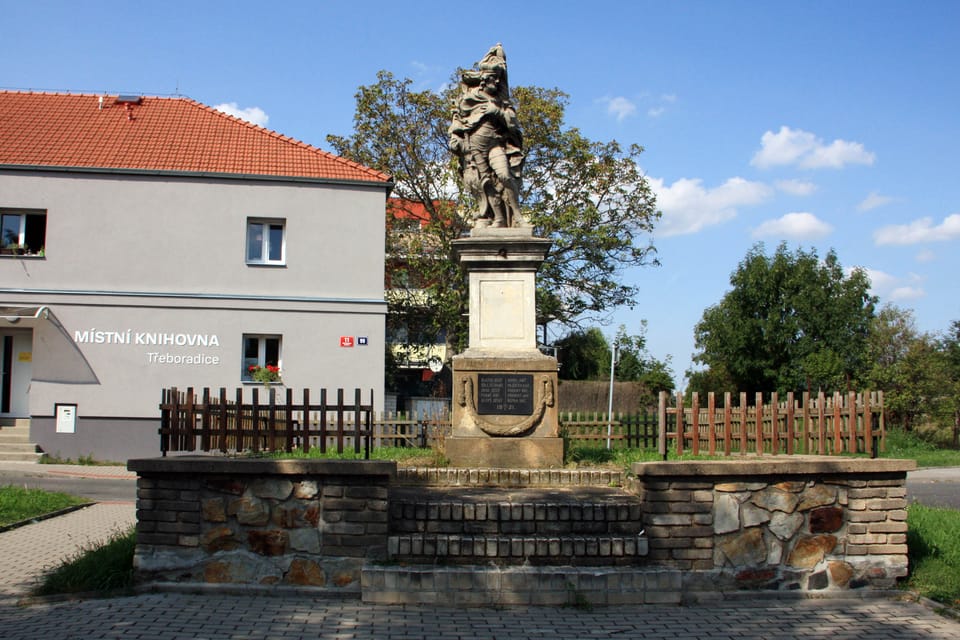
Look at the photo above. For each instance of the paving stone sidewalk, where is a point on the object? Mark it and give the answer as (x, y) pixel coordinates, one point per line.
(28, 551)
(181, 616)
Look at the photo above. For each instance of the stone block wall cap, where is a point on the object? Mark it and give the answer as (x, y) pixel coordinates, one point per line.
(506, 250)
(262, 466)
(773, 466)
(503, 360)
(501, 232)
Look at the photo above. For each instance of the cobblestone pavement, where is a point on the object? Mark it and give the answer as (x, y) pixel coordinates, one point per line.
(182, 616)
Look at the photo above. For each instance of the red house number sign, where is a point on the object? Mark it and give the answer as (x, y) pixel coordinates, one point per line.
(346, 341)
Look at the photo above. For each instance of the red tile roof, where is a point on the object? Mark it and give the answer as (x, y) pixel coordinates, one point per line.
(175, 135)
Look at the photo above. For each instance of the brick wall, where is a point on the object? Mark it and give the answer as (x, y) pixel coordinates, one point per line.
(799, 523)
(266, 522)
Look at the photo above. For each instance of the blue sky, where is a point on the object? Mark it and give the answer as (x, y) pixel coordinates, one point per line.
(822, 124)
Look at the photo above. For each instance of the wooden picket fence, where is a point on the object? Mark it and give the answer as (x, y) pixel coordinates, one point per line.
(214, 422)
(807, 424)
(635, 430)
(257, 420)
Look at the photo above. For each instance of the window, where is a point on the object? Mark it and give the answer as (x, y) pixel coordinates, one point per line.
(23, 231)
(266, 241)
(259, 351)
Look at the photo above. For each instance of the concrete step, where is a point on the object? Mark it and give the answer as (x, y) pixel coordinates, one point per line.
(490, 586)
(15, 445)
(13, 436)
(8, 456)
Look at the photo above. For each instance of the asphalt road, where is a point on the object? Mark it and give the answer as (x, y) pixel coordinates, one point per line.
(935, 487)
(932, 487)
(97, 489)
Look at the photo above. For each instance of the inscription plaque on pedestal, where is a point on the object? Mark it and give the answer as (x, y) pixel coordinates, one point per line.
(504, 394)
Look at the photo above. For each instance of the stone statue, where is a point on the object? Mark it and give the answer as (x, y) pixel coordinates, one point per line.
(486, 137)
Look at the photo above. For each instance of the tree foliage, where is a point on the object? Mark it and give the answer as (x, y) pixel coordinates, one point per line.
(790, 322)
(919, 374)
(585, 355)
(590, 198)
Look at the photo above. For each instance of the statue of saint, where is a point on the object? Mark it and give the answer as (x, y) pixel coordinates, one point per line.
(486, 137)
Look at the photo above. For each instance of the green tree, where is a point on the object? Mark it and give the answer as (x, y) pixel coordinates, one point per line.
(951, 348)
(589, 197)
(790, 322)
(911, 368)
(584, 355)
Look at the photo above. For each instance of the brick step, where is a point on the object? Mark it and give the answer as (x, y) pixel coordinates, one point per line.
(506, 478)
(428, 548)
(490, 586)
(550, 511)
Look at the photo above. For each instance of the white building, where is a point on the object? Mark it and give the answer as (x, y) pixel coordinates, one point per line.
(155, 242)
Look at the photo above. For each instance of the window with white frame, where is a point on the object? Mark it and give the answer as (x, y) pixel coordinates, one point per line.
(23, 231)
(261, 358)
(266, 241)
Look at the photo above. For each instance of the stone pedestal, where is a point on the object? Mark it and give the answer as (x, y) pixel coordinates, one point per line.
(504, 389)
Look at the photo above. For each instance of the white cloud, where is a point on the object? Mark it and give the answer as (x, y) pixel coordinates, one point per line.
(656, 112)
(256, 115)
(925, 256)
(895, 289)
(805, 150)
(880, 280)
(919, 231)
(796, 187)
(620, 107)
(794, 226)
(873, 201)
(688, 206)
(903, 294)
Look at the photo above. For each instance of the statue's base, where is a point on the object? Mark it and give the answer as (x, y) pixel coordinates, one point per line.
(505, 453)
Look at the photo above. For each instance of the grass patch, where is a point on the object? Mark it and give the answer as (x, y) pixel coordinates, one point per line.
(600, 456)
(19, 503)
(404, 456)
(906, 444)
(107, 567)
(934, 540)
(85, 461)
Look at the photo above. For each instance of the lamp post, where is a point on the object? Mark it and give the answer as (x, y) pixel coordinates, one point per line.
(613, 363)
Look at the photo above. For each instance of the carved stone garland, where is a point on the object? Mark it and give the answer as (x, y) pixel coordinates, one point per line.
(466, 399)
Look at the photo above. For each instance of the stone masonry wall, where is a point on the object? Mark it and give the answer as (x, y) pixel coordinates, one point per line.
(304, 523)
(794, 523)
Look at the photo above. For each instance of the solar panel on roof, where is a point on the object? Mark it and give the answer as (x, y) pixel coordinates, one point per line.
(129, 99)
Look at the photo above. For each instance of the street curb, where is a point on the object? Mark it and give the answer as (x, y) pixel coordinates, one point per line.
(939, 608)
(45, 516)
(80, 596)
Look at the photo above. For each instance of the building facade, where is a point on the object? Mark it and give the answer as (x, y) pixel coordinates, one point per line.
(155, 242)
